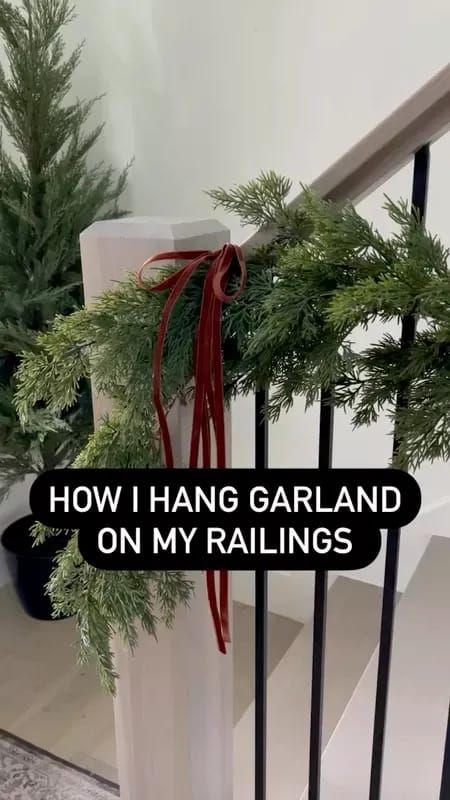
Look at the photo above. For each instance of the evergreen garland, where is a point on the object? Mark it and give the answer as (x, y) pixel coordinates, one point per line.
(48, 194)
(416, 283)
(326, 271)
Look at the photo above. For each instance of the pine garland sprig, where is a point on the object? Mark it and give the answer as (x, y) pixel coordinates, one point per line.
(259, 202)
(408, 283)
(295, 347)
(421, 427)
(113, 605)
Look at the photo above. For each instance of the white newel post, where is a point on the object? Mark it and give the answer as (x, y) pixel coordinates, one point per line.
(173, 710)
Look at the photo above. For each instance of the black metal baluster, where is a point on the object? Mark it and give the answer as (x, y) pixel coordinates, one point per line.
(445, 782)
(320, 617)
(419, 200)
(261, 611)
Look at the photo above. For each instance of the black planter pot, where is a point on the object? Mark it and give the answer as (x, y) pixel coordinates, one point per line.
(31, 566)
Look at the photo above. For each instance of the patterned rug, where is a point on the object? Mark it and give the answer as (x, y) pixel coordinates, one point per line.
(27, 773)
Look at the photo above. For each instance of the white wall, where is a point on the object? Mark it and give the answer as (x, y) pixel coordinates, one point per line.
(210, 92)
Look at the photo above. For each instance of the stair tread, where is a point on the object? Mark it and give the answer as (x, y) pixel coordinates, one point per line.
(352, 635)
(418, 697)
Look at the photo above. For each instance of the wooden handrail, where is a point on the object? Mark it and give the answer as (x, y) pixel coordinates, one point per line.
(423, 118)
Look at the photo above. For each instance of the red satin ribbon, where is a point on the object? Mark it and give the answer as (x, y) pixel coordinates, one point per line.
(208, 368)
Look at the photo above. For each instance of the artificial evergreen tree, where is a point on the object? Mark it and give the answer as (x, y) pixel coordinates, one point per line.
(49, 192)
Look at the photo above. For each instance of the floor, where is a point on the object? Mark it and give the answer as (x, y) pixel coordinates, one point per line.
(46, 699)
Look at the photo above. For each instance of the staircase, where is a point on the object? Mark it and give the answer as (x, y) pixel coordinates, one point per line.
(352, 635)
(418, 698)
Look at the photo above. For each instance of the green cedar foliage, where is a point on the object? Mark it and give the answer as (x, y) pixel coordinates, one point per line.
(417, 283)
(49, 192)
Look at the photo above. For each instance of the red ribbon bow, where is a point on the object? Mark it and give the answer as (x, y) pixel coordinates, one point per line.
(208, 368)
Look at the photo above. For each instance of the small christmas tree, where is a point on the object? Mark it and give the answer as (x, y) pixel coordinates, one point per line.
(48, 194)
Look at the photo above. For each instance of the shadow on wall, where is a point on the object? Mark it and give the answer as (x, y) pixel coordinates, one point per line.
(16, 505)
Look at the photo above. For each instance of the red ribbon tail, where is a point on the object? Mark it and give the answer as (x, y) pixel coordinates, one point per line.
(212, 598)
(225, 604)
(209, 411)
